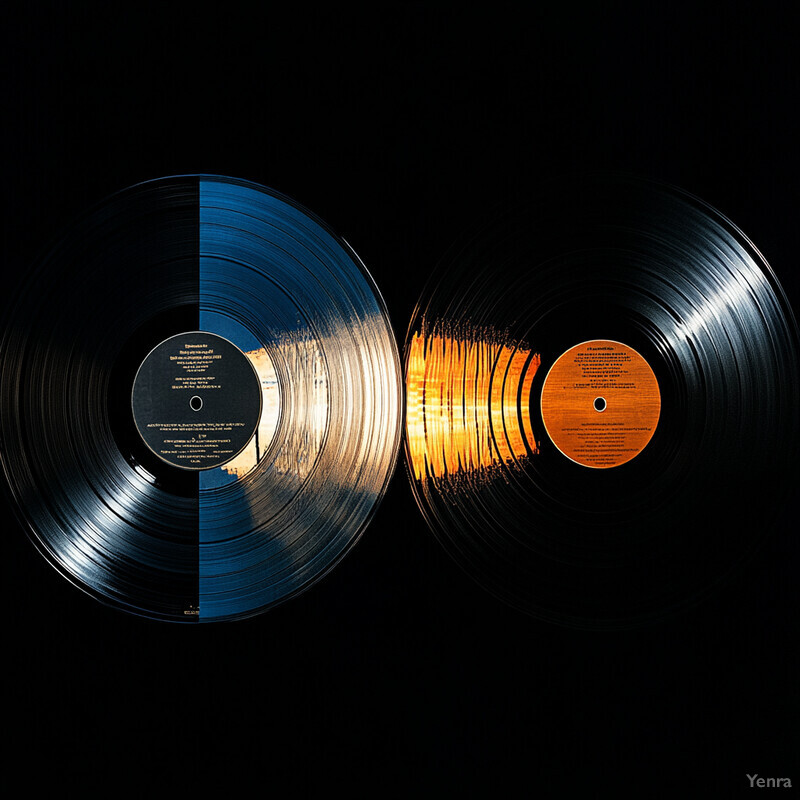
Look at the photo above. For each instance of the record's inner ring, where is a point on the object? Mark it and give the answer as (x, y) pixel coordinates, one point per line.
(196, 400)
(600, 403)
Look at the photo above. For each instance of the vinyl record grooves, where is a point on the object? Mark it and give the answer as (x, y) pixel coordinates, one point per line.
(201, 400)
(602, 394)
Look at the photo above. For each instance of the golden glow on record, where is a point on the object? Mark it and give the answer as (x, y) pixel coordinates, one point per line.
(310, 386)
(270, 410)
(467, 402)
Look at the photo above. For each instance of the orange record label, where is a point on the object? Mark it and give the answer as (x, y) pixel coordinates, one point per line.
(600, 403)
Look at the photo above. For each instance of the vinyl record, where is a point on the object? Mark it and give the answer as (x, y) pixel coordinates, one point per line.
(602, 394)
(201, 400)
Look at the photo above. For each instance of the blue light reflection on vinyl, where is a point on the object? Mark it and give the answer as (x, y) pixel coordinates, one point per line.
(278, 284)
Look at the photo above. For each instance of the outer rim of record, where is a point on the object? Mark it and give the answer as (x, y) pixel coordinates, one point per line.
(629, 178)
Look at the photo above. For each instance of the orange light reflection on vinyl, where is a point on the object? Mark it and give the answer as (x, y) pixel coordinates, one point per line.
(467, 403)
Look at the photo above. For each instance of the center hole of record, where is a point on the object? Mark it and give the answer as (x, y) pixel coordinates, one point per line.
(196, 403)
(599, 404)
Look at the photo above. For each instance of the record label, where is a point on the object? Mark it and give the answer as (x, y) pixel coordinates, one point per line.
(196, 400)
(601, 403)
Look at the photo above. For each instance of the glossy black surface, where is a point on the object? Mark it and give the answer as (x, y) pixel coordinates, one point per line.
(404, 126)
(645, 264)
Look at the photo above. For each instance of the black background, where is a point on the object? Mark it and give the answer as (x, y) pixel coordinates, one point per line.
(401, 126)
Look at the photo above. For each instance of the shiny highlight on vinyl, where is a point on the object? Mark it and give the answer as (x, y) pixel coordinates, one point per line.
(467, 395)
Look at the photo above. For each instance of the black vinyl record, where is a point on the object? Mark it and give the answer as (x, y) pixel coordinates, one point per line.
(201, 402)
(602, 402)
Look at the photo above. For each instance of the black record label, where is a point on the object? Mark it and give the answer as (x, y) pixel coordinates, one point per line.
(196, 400)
